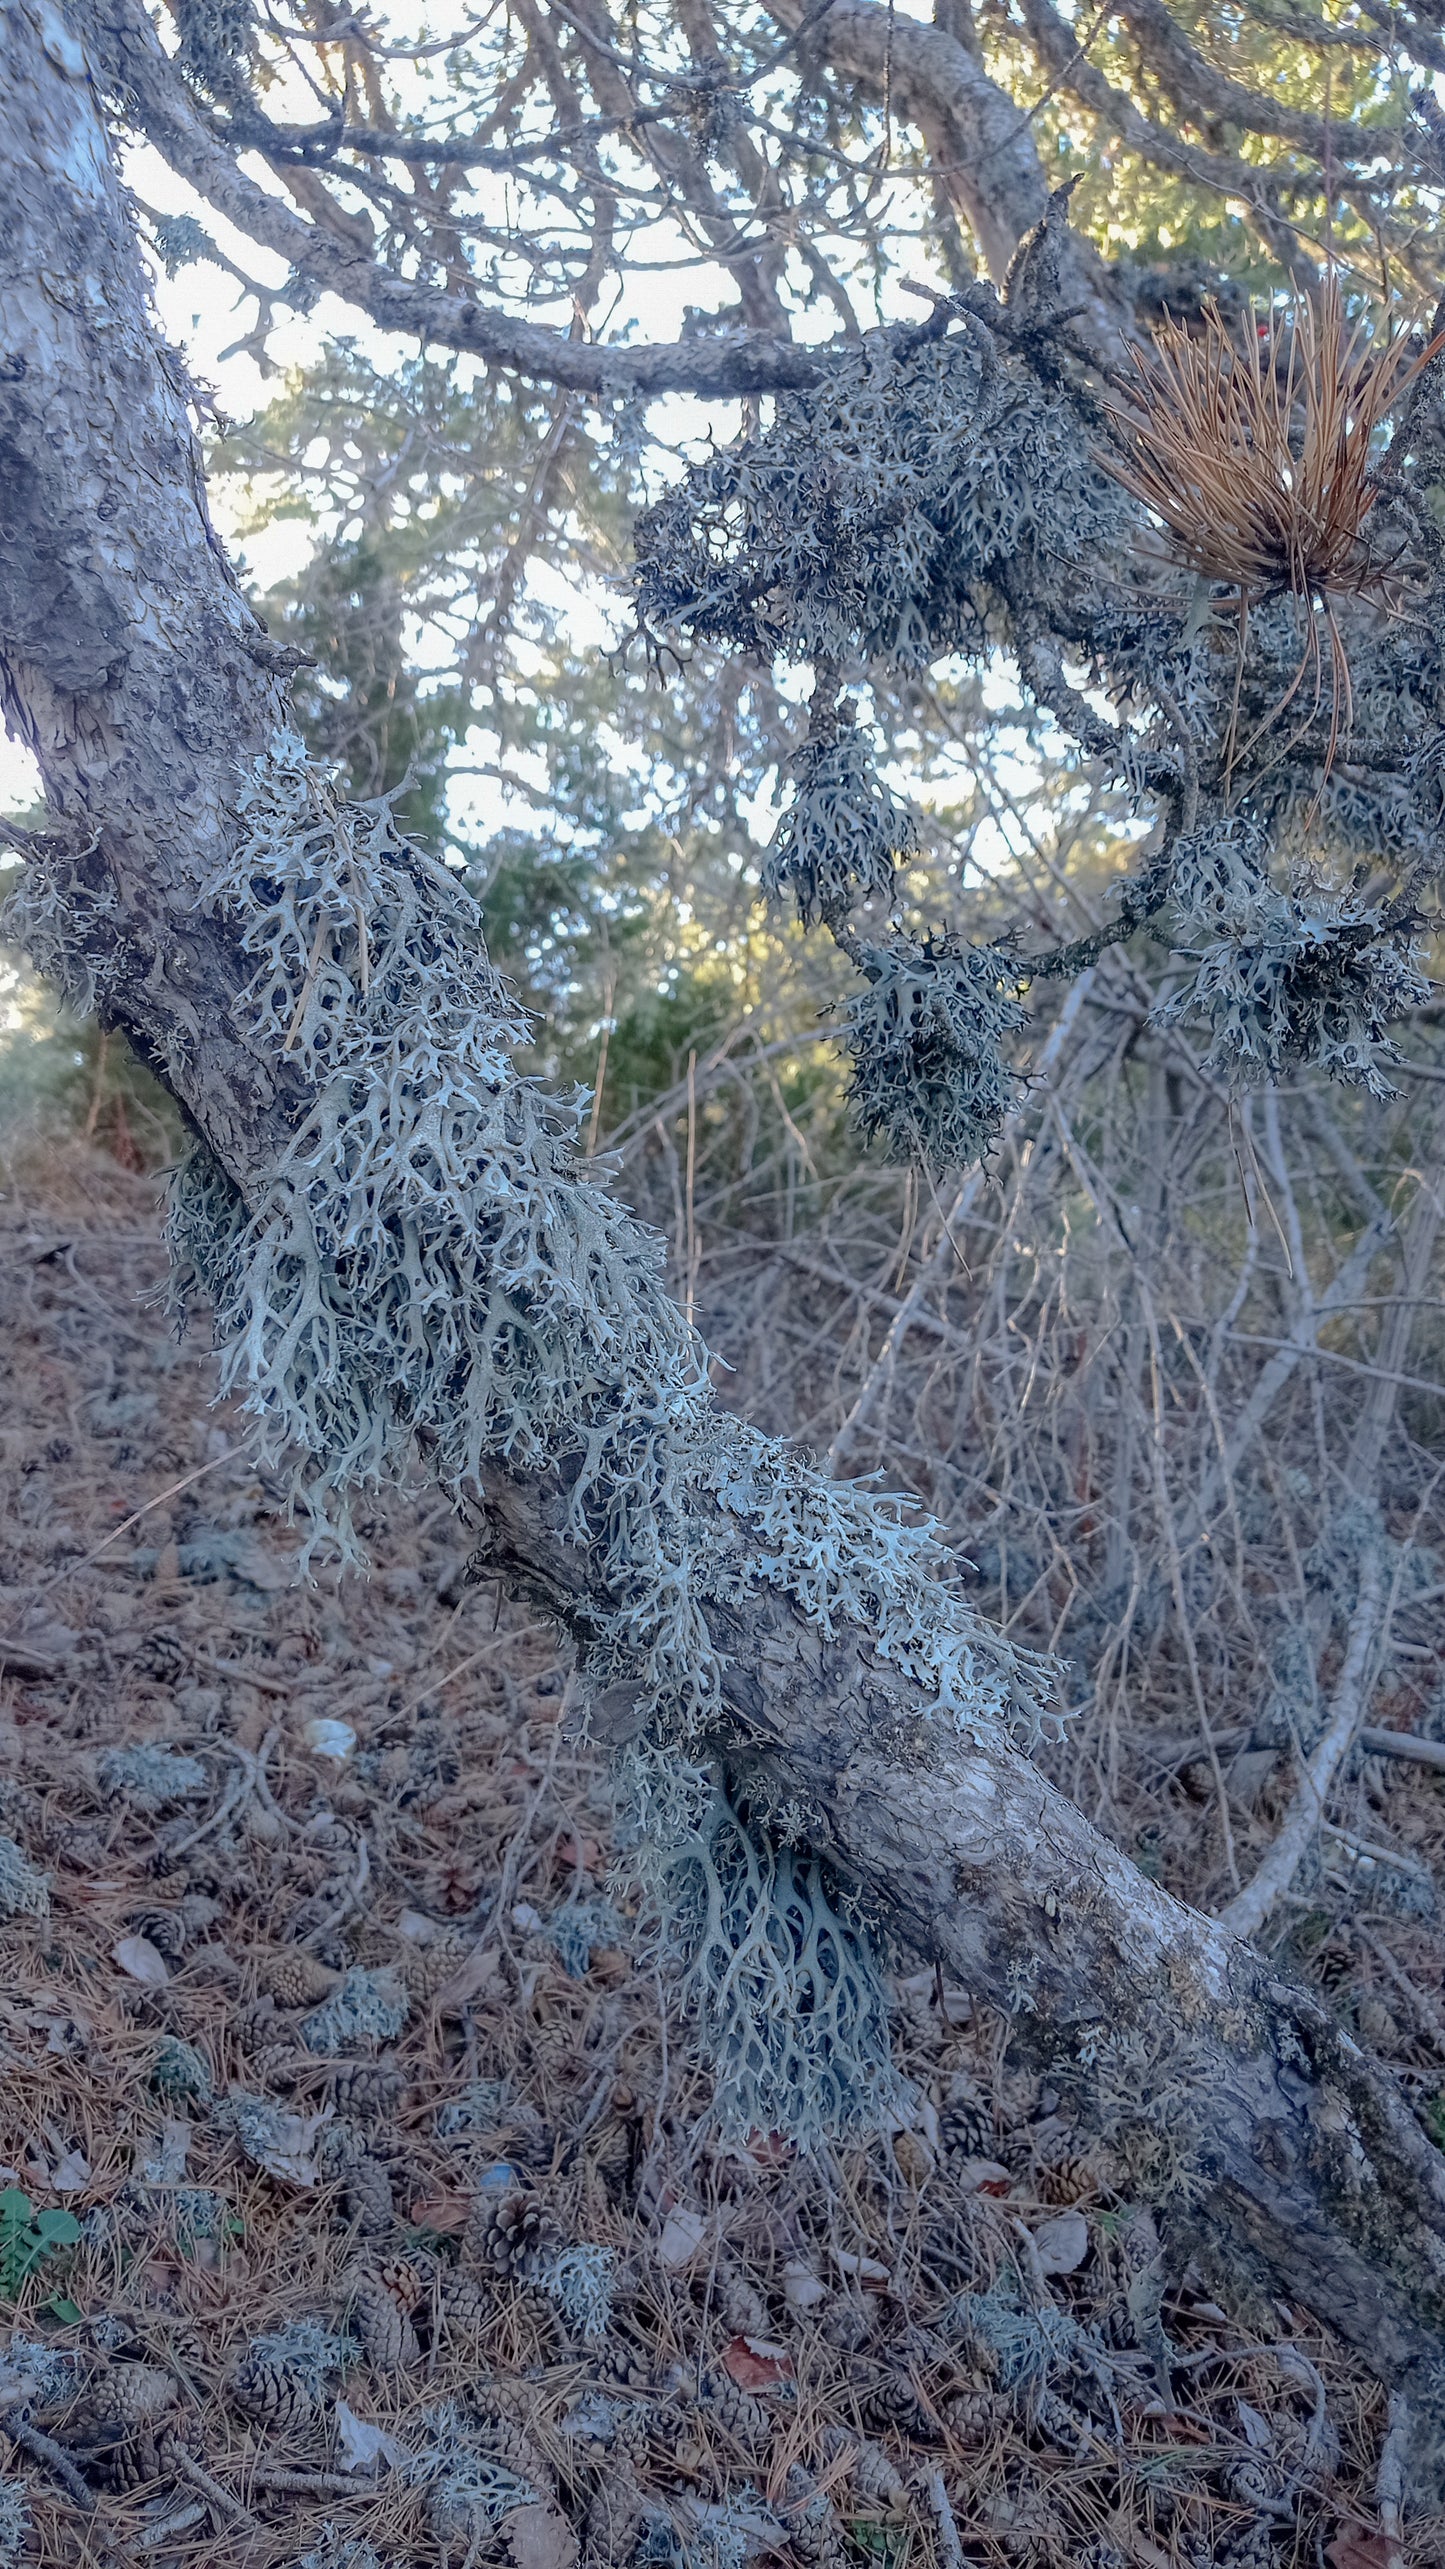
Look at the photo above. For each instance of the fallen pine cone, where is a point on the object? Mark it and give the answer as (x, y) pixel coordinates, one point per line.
(508, 2234)
(265, 2387)
(368, 2091)
(381, 2327)
(298, 1980)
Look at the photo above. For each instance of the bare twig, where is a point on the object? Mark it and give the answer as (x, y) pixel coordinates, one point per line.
(1253, 1906)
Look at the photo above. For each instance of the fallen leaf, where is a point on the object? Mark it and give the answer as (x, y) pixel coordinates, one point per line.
(327, 1738)
(1353, 2549)
(480, 1973)
(867, 2269)
(72, 2176)
(683, 2233)
(167, 2163)
(1256, 2429)
(139, 1957)
(1062, 2243)
(540, 2538)
(365, 2447)
(289, 2154)
(756, 2364)
(982, 2176)
(444, 2213)
(802, 2289)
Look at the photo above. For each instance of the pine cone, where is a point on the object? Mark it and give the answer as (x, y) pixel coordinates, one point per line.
(409, 2280)
(1072, 2180)
(508, 2234)
(739, 2301)
(278, 2066)
(499, 2410)
(129, 2396)
(366, 2193)
(298, 1980)
(888, 2402)
(368, 2091)
(161, 1654)
(164, 1928)
(612, 2151)
(872, 2474)
(424, 1969)
(974, 2415)
(271, 2391)
(256, 2024)
(461, 2307)
(383, 2331)
(815, 2533)
(612, 2528)
(123, 2458)
(914, 2157)
(750, 2424)
(965, 2121)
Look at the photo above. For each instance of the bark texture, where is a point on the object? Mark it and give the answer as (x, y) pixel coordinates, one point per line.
(134, 669)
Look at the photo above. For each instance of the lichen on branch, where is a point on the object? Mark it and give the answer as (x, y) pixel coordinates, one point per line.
(433, 1260)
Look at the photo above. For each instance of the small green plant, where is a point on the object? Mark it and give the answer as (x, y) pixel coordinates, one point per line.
(27, 2239)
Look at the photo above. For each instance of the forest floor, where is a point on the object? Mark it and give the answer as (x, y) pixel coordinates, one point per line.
(357, 2201)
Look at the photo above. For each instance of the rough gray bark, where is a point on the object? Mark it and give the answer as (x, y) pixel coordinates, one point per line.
(134, 669)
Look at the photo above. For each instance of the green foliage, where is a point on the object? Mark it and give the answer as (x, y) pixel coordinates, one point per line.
(30, 2239)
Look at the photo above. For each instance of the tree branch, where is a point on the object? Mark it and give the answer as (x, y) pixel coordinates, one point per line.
(1270, 2141)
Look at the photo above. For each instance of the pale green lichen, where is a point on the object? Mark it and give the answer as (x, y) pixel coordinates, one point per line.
(467, 2488)
(153, 1774)
(433, 1260)
(1284, 979)
(777, 1968)
(580, 2280)
(369, 2006)
(14, 2520)
(844, 832)
(24, 1889)
(926, 1034)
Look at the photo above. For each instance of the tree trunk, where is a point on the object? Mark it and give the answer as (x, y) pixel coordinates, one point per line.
(136, 672)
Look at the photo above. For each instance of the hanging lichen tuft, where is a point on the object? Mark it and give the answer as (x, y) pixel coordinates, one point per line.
(926, 1033)
(1284, 980)
(844, 832)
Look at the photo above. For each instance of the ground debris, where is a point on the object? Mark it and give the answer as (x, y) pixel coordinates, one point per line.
(401, 2238)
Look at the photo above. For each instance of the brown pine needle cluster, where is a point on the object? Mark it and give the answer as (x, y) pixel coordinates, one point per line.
(1256, 454)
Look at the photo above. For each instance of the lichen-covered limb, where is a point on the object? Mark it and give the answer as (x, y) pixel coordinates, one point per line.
(407, 1253)
(1236, 2103)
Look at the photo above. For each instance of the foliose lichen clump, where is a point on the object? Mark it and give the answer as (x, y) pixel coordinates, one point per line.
(152, 1774)
(1284, 980)
(778, 1966)
(873, 517)
(369, 2006)
(844, 833)
(926, 1034)
(434, 1259)
(24, 1889)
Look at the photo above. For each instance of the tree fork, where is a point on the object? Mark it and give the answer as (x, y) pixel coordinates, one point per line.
(134, 669)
